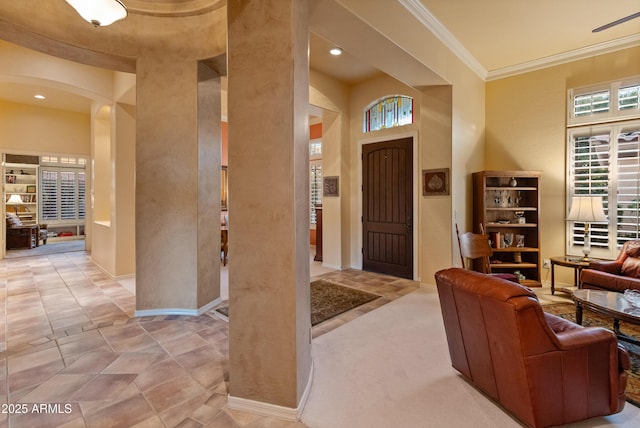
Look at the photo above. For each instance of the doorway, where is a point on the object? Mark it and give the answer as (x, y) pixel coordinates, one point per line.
(387, 207)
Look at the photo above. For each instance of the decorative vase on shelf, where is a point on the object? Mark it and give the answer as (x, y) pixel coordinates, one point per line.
(513, 182)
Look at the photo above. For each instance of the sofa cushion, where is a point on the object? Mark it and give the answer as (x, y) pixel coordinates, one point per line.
(13, 220)
(633, 249)
(631, 267)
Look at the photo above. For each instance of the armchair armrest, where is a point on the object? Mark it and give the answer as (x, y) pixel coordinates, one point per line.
(624, 361)
(609, 266)
(579, 338)
(569, 335)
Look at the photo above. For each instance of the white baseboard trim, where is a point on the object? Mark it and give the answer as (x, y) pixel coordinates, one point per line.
(330, 266)
(178, 311)
(272, 410)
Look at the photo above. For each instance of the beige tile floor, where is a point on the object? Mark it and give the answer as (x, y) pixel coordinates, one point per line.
(74, 356)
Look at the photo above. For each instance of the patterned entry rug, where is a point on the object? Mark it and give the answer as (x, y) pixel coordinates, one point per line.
(328, 300)
(592, 319)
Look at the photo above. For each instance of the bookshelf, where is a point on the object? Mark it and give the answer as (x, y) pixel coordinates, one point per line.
(21, 191)
(507, 206)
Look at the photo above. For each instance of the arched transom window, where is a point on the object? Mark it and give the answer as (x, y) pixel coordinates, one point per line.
(388, 112)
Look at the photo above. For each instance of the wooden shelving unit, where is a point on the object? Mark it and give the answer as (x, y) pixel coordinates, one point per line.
(21, 182)
(506, 204)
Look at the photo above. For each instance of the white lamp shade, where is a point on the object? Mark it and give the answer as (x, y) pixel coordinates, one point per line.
(14, 199)
(587, 209)
(99, 12)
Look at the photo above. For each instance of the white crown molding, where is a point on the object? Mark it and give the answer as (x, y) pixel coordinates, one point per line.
(427, 19)
(565, 57)
(422, 14)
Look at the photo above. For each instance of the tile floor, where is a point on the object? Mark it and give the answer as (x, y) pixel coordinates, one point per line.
(74, 356)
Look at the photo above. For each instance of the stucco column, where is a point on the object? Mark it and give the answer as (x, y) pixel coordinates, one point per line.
(177, 186)
(269, 330)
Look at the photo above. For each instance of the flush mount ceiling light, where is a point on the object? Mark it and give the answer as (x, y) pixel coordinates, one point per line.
(39, 96)
(336, 51)
(99, 12)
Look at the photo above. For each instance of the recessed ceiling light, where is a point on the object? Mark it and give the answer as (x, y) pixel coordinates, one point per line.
(39, 96)
(336, 51)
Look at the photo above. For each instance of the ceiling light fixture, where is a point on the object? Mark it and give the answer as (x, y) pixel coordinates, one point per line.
(39, 96)
(335, 51)
(100, 13)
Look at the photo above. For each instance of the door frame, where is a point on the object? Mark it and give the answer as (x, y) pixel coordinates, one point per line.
(416, 182)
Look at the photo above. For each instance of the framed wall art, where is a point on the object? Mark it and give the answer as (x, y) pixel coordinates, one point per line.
(331, 186)
(435, 182)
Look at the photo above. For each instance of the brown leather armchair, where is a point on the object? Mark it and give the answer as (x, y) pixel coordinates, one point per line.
(543, 369)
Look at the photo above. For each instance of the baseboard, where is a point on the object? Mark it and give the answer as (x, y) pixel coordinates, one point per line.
(272, 410)
(330, 266)
(178, 311)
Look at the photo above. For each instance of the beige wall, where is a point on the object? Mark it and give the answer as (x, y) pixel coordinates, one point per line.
(36, 130)
(333, 98)
(526, 129)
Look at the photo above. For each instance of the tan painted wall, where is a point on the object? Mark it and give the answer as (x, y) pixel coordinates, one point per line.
(526, 129)
(333, 98)
(30, 129)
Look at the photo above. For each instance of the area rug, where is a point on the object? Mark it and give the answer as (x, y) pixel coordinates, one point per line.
(592, 319)
(328, 300)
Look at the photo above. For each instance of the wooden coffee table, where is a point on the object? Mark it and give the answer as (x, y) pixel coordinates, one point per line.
(609, 304)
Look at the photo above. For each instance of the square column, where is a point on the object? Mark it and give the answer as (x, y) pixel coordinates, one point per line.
(177, 186)
(270, 327)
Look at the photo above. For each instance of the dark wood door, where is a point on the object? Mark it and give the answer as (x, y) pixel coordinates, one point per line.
(387, 207)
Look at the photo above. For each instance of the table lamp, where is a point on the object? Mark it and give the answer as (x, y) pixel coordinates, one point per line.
(587, 209)
(15, 200)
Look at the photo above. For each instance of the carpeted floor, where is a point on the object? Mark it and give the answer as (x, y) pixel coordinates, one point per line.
(591, 319)
(328, 300)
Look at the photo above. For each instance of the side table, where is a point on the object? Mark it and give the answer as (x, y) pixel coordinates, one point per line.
(574, 262)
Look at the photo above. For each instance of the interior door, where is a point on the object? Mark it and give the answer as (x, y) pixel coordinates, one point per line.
(387, 207)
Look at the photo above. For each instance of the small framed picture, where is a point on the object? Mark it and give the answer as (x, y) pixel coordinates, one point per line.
(435, 182)
(31, 189)
(331, 186)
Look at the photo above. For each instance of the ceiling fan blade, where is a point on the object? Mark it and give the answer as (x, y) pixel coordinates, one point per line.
(617, 22)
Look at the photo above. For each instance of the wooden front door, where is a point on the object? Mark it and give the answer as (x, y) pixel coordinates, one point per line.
(387, 207)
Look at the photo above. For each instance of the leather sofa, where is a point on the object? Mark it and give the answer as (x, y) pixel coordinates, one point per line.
(541, 368)
(615, 275)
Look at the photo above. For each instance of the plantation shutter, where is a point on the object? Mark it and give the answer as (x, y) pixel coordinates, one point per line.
(81, 195)
(629, 97)
(315, 182)
(63, 193)
(590, 169)
(49, 195)
(591, 103)
(628, 206)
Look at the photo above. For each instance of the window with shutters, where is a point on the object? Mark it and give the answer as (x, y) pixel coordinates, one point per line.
(63, 190)
(604, 160)
(315, 177)
(606, 102)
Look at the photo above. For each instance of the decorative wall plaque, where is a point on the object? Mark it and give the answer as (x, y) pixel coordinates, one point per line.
(331, 186)
(435, 182)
